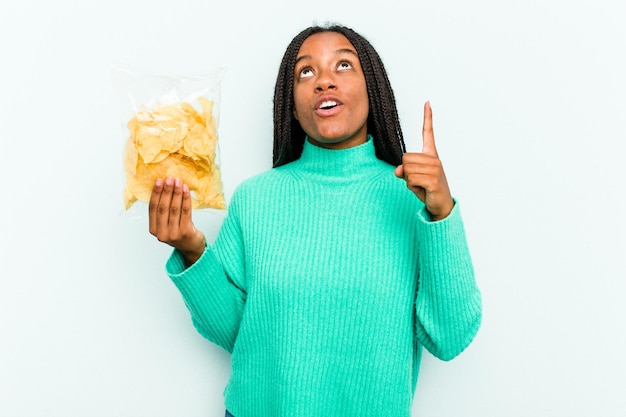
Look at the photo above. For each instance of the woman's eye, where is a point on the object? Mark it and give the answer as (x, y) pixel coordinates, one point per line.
(344, 65)
(306, 72)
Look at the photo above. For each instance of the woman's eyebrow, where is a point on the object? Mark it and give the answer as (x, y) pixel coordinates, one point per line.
(301, 58)
(346, 51)
(337, 52)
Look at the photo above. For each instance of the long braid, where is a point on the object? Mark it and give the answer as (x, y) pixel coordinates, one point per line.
(288, 135)
(383, 121)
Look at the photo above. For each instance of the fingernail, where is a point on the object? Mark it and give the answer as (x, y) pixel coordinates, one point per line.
(159, 182)
(168, 181)
(178, 182)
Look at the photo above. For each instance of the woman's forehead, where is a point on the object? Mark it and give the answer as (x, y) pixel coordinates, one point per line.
(326, 42)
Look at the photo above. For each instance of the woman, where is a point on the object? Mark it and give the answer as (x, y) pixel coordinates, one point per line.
(333, 269)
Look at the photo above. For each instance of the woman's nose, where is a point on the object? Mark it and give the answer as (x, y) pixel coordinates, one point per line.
(325, 81)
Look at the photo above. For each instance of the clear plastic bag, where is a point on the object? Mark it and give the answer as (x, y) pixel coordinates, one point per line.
(171, 131)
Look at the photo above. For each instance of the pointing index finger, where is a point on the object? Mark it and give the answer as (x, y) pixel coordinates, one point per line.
(428, 136)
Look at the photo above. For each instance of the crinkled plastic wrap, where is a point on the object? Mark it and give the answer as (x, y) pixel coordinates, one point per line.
(172, 131)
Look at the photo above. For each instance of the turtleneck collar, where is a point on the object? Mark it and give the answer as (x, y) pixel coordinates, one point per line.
(339, 165)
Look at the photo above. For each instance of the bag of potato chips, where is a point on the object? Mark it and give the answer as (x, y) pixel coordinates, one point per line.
(172, 125)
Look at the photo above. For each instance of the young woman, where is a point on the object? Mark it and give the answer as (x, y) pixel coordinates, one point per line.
(337, 266)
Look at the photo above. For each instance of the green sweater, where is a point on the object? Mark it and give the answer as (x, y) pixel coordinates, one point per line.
(325, 281)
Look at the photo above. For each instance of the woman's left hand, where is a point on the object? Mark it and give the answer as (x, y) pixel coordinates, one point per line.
(423, 173)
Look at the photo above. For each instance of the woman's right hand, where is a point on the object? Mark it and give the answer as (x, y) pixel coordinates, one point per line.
(170, 219)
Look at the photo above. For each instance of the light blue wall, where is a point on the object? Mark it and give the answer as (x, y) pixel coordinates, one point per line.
(529, 104)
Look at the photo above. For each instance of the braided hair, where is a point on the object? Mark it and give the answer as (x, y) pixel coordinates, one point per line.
(383, 122)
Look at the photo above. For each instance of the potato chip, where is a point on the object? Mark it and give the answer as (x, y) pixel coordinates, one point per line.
(175, 141)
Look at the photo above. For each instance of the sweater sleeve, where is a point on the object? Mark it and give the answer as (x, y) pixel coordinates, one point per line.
(448, 302)
(213, 288)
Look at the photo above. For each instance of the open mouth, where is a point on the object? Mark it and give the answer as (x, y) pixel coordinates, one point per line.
(327, 105)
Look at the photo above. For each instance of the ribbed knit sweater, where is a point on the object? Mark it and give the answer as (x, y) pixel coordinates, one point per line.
(325, 281)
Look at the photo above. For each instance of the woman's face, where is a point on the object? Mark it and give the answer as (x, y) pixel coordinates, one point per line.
(330, 94)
